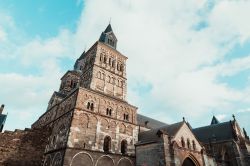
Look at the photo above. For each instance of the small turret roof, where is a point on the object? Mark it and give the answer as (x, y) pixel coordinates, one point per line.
(108, 29)
(214, 121)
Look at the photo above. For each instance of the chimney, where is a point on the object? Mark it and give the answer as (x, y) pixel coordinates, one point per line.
(1, 109)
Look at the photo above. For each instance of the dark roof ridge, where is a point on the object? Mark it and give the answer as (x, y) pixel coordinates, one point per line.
(214, 125)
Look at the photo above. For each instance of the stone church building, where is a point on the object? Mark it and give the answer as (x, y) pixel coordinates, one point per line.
(89, 122)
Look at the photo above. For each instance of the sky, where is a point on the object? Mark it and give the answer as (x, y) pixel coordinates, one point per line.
(185, 58)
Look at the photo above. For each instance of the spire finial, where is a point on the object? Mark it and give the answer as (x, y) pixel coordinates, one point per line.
(1, 108)
(183, 118)
(233, 117)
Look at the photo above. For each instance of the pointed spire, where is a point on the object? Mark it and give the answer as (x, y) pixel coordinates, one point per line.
(108, 37)
(214, 121)
(1, 109)
(108, 29)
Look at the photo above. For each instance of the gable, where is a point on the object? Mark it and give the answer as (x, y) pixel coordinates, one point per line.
(185, 132)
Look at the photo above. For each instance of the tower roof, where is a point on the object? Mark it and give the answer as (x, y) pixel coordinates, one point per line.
(108, 29)
(108, 37)
(214, 121)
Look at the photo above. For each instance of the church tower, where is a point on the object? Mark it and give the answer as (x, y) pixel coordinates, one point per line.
(103, 67)
(91, 121)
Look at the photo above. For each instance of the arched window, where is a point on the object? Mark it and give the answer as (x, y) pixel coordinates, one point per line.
(88, 105)
(107, 144)
(194, 145)
(126, 116)
(101, 57)
(182, 142)
(105, 59)
(118, 67)
(124, 145)
(113, 63)
(188, 143)
(121, 67)
(109, 61)
(109, 111)
(92, 106)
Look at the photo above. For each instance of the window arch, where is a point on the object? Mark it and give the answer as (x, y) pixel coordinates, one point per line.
(113, 63)
(121, 67)
(125, 116)
(194, 145)
(109, 111)
(105, 59)
(90, 106)
(101, 56)
(118, 66)
(182, 142)
(124, 146)
(109, 61)
(107, 144)
(188, 144)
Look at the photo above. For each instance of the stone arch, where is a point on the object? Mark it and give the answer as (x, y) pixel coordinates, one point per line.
(112, 126)
(190, 160)
(57, 161)
(129, 130)
(124, 146)
(47, 161)
(104, 124)
(125, 162)
(122, 128)
(105, 160)
(82, 159)
(107, 143)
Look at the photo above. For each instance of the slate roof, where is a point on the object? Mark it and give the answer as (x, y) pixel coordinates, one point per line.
(151, 135)
(214, 121)
(75, 72)
(147, 122)
(61, 95)
(215, 132)
(108, 29)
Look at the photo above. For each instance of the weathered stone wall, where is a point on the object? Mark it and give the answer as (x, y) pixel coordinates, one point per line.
(90, 126)
(150, 154)
(23, 148)
(76, 157)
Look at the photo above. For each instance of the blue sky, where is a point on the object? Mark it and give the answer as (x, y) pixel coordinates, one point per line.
(187, 59)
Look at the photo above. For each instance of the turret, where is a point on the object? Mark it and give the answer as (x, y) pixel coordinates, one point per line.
(108, 37)
(2, 118)
(1, 109)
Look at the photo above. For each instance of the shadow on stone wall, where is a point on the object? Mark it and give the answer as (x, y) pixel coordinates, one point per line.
(23, 147)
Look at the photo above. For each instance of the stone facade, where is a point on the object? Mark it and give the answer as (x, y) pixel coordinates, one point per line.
(89, 122)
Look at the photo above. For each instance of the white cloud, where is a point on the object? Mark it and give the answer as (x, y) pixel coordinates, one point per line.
(221, 117)
(164, 49)
(3, 35)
